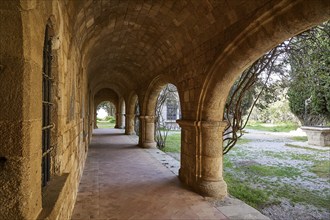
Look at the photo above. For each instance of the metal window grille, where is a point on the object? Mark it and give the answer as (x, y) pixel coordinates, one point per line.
(171, 110)
(46, 108)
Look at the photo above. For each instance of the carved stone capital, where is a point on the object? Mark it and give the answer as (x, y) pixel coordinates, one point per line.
(129, 115)
(147, 118)
(203, 124)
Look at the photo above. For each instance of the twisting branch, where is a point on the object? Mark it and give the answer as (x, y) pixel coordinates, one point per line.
(161, 129)
(259, 71)
(255, 79)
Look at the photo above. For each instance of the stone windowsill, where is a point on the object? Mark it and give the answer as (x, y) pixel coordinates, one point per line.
(51, 194)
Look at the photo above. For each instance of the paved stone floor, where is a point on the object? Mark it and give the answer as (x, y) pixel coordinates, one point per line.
(123, 181)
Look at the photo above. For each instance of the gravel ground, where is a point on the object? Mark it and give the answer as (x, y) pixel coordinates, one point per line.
(269, 149)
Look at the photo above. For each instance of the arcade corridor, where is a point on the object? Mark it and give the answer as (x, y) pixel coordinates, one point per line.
(123, 181)
(60, 58)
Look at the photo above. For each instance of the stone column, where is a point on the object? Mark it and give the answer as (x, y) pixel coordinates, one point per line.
(129, 128)
(95, 118)
(122, 121)
(147, 133)
(201, 157)
(117, 121)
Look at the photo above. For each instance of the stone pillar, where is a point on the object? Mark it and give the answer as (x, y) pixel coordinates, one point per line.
(147, 132)
(201, 157)
(117, 121)
(129, 128)
(95, 119)
(122, 121)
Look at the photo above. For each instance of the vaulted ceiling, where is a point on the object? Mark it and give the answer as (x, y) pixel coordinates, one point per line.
(126, 43)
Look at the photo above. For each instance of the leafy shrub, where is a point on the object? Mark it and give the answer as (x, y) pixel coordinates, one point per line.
(110, 119)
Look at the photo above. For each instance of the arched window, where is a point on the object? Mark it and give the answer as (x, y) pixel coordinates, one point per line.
(47, 125)
(172, 109)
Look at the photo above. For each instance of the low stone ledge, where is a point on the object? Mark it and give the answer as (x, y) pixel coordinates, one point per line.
(236, 209)
(51, 198)
(317, 135)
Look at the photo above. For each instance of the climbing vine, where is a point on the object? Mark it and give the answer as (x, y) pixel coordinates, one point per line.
(301, 64)
(246, 92)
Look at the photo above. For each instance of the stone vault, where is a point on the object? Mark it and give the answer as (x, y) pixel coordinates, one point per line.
(123, 51)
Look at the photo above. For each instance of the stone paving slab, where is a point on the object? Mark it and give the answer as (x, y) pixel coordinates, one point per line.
(123, 181)
(231, 207)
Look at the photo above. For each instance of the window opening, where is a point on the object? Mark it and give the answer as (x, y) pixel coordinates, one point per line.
(172, 109)
(46, 108)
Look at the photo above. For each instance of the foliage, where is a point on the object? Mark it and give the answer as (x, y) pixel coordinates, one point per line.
(161, 129)
(300, 63)
(263, 170)
(242, 141)
(299, 138)
(173, 143)
(254, 183)
(105, 124)
(256, 198)
(262, 185)
(276, 112)
(137, 119)
(108, 107)
(252, 83)
(280, 127)
(110, 119)
(302, 147)
(309, 91)
(321, 168)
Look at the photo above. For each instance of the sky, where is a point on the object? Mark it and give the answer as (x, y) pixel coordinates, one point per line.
(101, 113)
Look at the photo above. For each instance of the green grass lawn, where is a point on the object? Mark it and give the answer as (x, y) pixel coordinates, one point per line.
(173, 143)
(105, 124)
(299, 138)
(302, 147)
(249, 184)
(322, 169)
(283, 127)
(244, 191)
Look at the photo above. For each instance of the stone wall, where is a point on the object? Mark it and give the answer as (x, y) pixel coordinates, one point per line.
(21, 53)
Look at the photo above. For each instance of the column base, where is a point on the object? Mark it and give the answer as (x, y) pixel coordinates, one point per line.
(148, 144)
(217, 189)
(130, 133)
(211, 189)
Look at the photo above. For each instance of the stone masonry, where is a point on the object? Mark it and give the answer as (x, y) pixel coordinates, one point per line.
(129, 50)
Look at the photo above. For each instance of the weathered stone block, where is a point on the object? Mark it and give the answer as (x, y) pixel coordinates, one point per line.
(319, 136)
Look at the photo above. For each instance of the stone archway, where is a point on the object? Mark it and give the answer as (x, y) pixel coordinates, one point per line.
(266, 30)
(202, 45)
(147, 117)
(106, 94)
